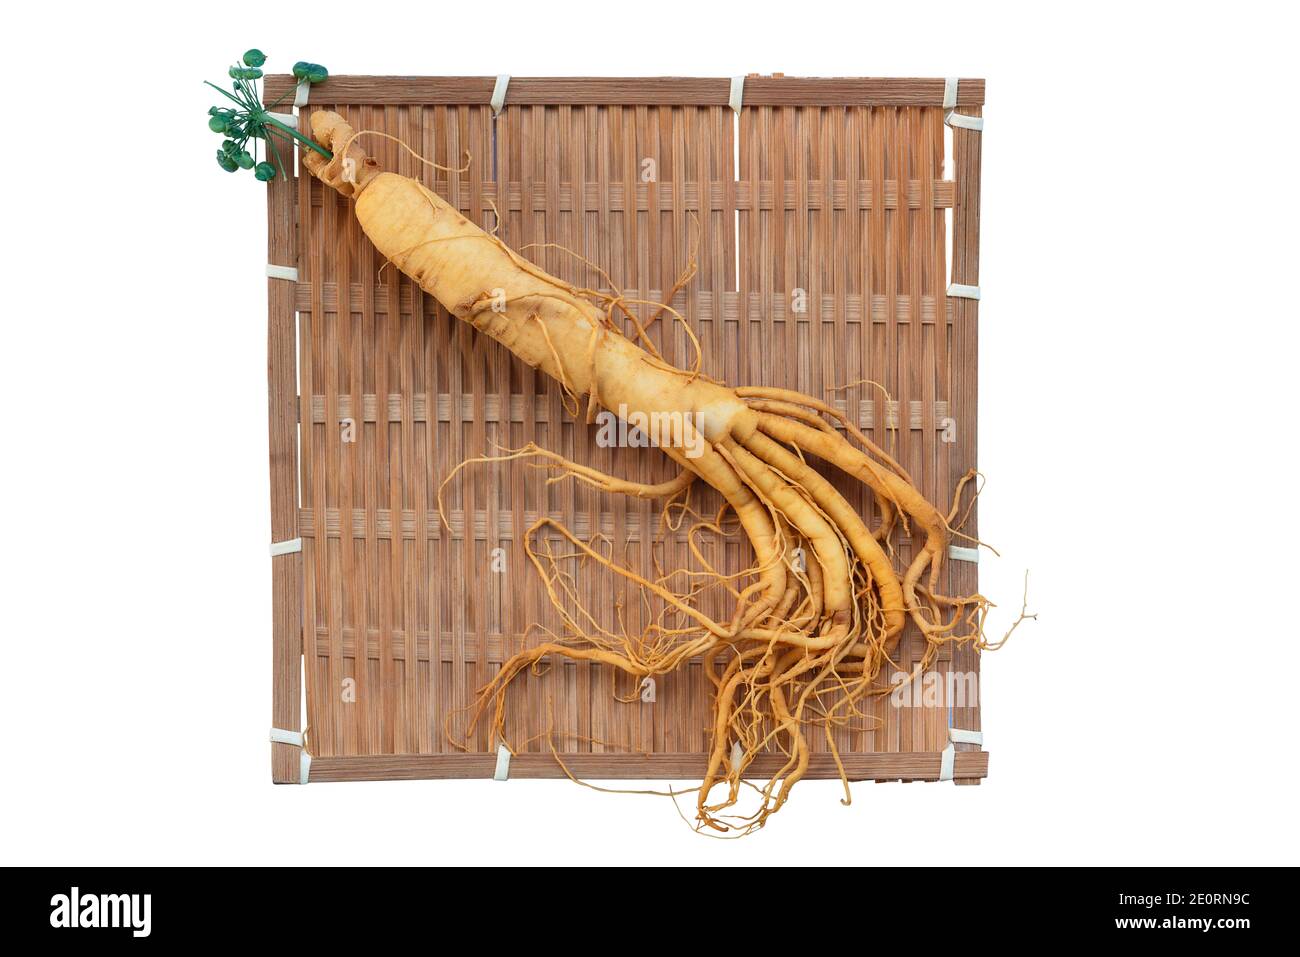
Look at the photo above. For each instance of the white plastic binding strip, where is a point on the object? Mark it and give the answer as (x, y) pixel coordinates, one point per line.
(499, 93)
(960, 553)
(975, 123)
(295, 739)
(282, 272)
(287, 547)
(291, 120)
(502, 772)
(963, 292)
(648, 690)
(950, 93)
(950, 114)
(737, 92)
(281, 736)
(946, 756)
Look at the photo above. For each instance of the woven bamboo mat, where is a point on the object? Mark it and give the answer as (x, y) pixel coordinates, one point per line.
(822, 216)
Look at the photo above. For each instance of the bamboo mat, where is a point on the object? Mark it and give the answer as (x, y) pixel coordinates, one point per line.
(821, 218)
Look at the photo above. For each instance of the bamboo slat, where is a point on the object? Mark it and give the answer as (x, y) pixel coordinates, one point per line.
(631, 91)
(965, 371)
(286, 570)
(969, 767)
(818, 217)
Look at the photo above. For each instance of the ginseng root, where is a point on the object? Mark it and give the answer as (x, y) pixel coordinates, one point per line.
(817, 615)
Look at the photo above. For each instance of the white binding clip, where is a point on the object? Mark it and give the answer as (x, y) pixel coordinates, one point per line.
(295, 739)
(499, 93)
(281, 272)
(959, 291)
(960, 553)
(292, 120)
(502, 772)
(956, 736)
(287, 547)
(648, 690)
(950, 114)
(737, 93)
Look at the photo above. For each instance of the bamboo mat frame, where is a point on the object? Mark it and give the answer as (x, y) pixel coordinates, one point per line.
(838, 191)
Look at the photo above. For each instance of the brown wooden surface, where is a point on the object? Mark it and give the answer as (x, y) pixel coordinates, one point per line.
(425, 392)
(968, 767)
(966, 270)
(286, 572)
(629, 91)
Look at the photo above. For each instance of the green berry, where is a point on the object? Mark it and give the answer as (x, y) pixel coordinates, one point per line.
(311, 72)
(226, 163)
(264, 172)
(254, 57)
(244, 160)
(217, 124)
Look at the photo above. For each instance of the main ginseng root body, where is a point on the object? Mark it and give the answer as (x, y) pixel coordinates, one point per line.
(817, 614)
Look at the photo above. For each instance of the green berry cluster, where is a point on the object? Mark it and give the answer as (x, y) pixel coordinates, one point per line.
(247, 122)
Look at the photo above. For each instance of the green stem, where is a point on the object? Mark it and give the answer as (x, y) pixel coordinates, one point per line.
(229, 96)
(268, 118)
(270, 145)
(281, 98)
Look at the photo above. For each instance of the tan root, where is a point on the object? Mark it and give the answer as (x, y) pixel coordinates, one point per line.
(812, 623)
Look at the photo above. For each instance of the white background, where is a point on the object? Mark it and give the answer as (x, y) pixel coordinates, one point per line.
(1138, 338)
